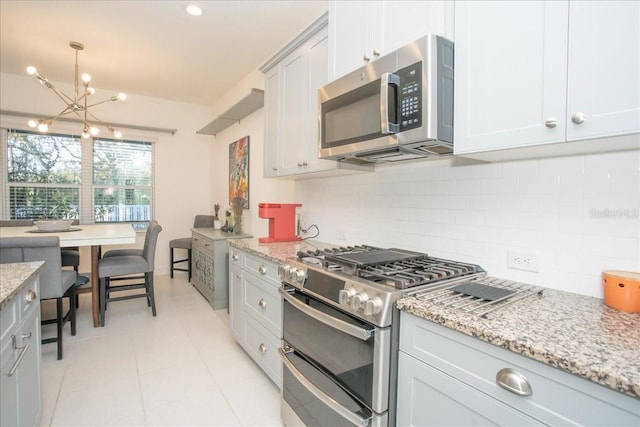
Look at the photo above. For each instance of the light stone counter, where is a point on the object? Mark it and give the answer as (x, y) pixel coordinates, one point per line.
(14, 276)
(575, 333)
(277, 252)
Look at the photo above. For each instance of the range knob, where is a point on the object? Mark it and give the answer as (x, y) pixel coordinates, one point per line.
(283, 270)
(358, 301)
(345, 295)
(299, 275)
(372, 306)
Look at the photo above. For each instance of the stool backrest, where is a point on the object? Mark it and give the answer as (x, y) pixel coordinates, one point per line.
(203, 221)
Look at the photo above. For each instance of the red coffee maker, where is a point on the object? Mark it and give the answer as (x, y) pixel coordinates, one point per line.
(282, 221)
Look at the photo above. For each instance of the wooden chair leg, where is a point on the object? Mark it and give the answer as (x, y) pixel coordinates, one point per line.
(72, 309)
(149, 280)
(171, 261)
(103, 300)
(59, 323)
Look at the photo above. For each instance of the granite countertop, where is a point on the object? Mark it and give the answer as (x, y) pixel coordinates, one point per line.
(14, 276)
(277, 252)
(575, 333)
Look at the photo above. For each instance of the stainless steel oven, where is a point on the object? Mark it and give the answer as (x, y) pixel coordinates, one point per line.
(335, 366)
(340, 331)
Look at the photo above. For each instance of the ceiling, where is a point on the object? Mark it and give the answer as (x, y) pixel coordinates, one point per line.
(148, 47)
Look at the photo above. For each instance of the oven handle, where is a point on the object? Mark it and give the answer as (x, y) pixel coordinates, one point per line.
(327, 400)
(341, 325)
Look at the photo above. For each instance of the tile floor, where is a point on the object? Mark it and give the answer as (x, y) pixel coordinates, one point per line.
(180, 368)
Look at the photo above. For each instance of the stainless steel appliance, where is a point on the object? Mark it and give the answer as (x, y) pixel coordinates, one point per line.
(340, 330)
(398, 107)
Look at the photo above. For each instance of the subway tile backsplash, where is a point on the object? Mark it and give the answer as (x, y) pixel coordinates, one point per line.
(578, 214)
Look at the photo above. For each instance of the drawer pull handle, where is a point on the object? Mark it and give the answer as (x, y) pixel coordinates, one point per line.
(262, 269)
(514, 382)
(235, 257)
(262, 303)
(23, 352)
(31, 295)
(262, 349)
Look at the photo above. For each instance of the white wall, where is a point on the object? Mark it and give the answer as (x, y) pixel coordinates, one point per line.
(578, 214)
(260, 189)
(183, 184)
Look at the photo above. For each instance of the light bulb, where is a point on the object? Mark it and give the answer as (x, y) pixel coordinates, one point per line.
(122, 96)
(86, 78)
(31, 70)
(43, 127)
(32, 123)
(194, 10)
(117, 134)
(85, 134)
(91, 90)
(94, 130)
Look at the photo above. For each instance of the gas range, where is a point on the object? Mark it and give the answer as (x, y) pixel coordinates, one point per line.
(365, 281)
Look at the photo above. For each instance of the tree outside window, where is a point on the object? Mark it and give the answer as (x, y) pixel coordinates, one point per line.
(44, 178)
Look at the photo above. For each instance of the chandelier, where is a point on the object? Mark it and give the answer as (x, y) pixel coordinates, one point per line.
(77, 104)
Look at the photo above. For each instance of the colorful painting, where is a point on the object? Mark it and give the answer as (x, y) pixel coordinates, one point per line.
(239, 173)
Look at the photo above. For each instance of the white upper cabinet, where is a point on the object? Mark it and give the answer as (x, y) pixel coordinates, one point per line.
(362, 31)
(604, 69)
(536, 73)
(292, 80)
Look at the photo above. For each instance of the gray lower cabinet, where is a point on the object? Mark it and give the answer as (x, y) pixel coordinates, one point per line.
(255, 309)
(209, 272)
(20, 387)
(449, 378)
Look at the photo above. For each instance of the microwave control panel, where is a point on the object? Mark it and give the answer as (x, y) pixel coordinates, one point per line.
(410, 96)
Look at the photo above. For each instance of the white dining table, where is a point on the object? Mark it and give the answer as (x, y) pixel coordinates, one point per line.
(93, 235)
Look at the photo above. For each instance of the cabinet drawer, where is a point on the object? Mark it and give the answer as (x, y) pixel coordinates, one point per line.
(264, 303)
(263, 346)
(9, 320)
(427, 396)
(266, 270)
(202, 244)
(557, 397)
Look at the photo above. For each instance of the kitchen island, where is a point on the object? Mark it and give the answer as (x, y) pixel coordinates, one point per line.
(20, 360)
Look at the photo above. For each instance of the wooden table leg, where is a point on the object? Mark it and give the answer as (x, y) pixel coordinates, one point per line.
(95, 295)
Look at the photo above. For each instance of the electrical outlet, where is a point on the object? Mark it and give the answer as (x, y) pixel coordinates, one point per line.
(522, 260)
(341, 234)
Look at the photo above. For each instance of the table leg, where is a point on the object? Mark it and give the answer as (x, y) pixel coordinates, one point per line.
(95, 291)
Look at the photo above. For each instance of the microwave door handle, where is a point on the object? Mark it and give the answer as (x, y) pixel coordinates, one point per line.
(386, 126)
(320, 395)
(332, 322)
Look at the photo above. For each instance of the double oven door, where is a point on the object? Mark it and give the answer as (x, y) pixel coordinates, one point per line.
(336, 368)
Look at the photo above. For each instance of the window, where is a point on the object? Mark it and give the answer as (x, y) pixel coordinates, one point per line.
(63, 176)
(121, 180)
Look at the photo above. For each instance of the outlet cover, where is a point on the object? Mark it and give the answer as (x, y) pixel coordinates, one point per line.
(522, 260)
(341, 234)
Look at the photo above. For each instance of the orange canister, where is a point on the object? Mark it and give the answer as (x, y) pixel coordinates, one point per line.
(622, 290)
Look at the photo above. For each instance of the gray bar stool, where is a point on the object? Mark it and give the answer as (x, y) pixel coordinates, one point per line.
(201, 221)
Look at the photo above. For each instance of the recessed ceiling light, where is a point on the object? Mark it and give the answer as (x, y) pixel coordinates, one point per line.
(194, 10)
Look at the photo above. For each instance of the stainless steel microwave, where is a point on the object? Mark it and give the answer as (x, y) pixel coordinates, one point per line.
(398, 107)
